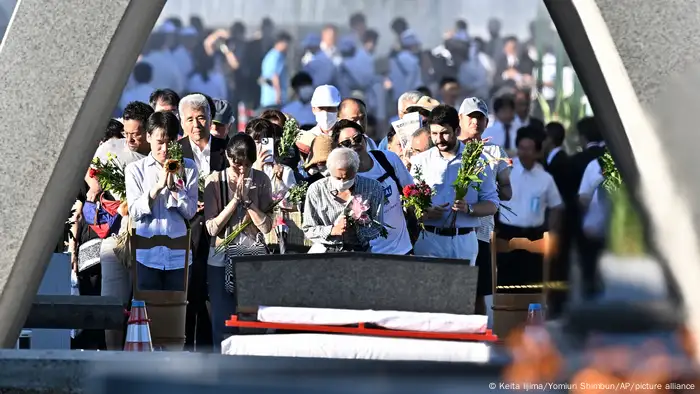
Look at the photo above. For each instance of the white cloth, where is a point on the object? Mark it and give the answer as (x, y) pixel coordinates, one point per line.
(463, 247)
(534, 191)
(549, 75)
(332, 346)
(300, 111)
(497, 159)
(214, 87)
(278, 185)
(202, 157)
(166, 215)
(592, 178)
(393, 320)
(398, 241)
(140, 92)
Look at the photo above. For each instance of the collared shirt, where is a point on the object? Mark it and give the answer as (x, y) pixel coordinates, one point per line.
(322, 209)
(592, 178)
(497, 133)
(202, 157)
(440, 173)
(553, 153)
(165, 215)
(321, 69)
(498, 161)
(534, 191)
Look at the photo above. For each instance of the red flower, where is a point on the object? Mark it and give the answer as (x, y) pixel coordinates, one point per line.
(93, 172)
(407, 190)
(509, 161)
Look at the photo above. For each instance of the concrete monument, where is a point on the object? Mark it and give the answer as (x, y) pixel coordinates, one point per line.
(64, 64)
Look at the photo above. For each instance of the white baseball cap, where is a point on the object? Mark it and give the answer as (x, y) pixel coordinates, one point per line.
(325, 96)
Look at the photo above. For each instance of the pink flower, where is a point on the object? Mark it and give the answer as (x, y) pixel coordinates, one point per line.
(180, 183)
(358, 207)
(364, 219)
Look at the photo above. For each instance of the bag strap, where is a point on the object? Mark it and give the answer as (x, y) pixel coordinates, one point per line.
(223, 191)
(388, 168)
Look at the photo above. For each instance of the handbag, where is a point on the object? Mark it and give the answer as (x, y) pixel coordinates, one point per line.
(242, 246)
(102, 216)
(89, 254)
(123, 249)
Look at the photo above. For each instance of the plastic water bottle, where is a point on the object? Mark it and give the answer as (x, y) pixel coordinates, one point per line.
(535, 315)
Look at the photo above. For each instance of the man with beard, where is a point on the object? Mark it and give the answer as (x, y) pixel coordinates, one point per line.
(208, 154)
(450, 224)
(473, 120)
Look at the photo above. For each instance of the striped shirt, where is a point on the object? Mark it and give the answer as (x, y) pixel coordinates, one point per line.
(322, 209)
(497, 158)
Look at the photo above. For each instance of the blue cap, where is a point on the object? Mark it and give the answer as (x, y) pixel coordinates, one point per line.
(534, 307)
(347, 44)
(135, 303)
(311, 41)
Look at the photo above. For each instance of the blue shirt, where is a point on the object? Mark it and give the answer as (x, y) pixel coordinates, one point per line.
(441, 175)
(273, 64)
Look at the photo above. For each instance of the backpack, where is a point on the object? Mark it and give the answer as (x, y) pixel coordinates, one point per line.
(411, 221)
(102, 216)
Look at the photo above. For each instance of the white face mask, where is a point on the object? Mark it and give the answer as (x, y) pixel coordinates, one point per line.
(305, 93)
(341, 186)
(326, 120)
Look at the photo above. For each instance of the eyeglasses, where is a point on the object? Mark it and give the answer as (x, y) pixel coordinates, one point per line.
(349, 143)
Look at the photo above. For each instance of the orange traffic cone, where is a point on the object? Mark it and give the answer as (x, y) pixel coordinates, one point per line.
(138, 333)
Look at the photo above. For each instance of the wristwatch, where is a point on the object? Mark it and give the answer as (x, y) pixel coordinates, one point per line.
(470, 210)
(246, 204)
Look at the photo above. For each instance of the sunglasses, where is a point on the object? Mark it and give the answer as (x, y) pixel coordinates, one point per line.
(356, 140)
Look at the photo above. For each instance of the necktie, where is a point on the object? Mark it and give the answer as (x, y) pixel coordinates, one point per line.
(506, 127)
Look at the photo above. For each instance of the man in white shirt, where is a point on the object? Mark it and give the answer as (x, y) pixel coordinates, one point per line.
(534, 192)
(505, 128)
(473, 119)
(385, 167)
(324, 104)
(142, 89)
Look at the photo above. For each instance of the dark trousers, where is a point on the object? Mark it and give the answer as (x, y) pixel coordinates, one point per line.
(157, 279)
(483, 261)
(90, 284)
(197, 321)
(223, 306)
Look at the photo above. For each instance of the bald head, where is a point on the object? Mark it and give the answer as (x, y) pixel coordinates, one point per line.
(355, 110)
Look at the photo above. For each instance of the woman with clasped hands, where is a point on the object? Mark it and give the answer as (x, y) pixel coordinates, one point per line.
(161, 203)
(230, 198)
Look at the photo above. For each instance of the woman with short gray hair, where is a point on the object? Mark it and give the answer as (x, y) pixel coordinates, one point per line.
(330, 200)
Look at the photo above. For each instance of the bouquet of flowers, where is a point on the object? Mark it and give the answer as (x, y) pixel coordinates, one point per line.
(110, 175)
(276, 199)
(418, 196)
(290, 133)
(473, 165)
(356, 215)
(297, 193)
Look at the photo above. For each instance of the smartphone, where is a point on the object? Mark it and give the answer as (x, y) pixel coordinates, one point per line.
(268, 145)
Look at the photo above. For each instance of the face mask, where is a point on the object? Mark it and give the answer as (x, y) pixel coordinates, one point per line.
(326, 120)
(341, 186)
(305, 93)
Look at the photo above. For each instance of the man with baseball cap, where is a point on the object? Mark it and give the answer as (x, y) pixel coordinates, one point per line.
(324, 105)
(473, 120)
(222, 120)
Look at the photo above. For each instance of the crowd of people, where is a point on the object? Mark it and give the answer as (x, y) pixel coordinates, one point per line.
(230, 183)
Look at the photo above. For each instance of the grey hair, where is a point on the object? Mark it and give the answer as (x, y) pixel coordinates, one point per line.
(421, 131)
(410, 97)
(194, 101)
(343, 158)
